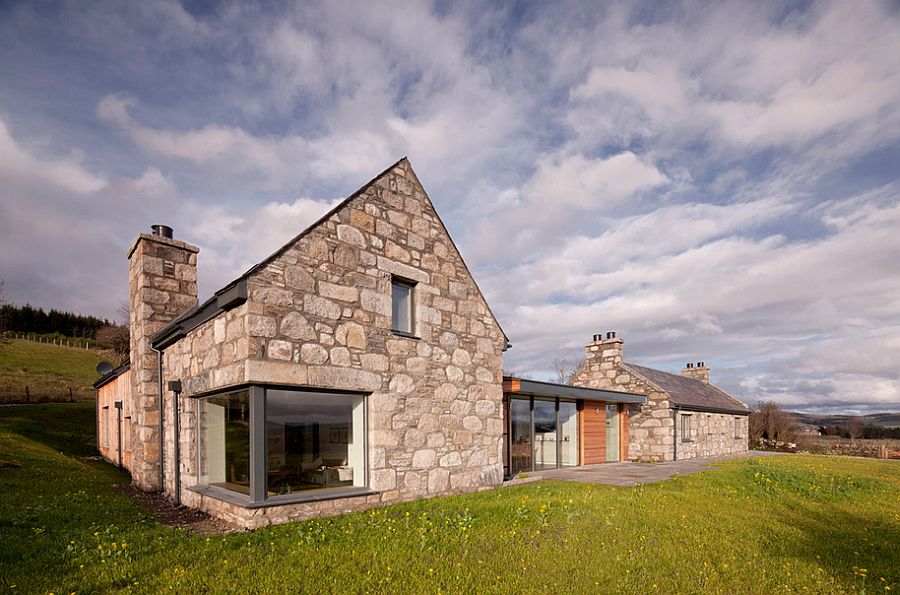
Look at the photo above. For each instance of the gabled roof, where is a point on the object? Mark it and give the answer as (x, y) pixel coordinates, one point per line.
(235, 293)
(689, 393)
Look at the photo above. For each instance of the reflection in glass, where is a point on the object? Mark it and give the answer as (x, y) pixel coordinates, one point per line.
(612, 432)
(519, 436)
(313, 441)
(225, 442)
(544, 435)
(568, 426)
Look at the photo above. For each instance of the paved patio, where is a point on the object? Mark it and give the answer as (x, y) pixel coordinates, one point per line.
(628, 474)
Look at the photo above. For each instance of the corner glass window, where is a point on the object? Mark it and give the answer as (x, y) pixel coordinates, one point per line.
(314, 441)
(401, 306)
(225, 442)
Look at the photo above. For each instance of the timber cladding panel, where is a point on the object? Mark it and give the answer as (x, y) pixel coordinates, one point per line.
(593, 433)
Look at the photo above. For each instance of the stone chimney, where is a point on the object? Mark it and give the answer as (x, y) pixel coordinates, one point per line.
(163, 279)
(697, 371)
(601, 362)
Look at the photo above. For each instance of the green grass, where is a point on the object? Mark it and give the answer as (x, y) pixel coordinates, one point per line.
(780, 524)
(49, 371)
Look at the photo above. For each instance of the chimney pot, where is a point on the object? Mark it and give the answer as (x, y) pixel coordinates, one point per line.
(163, 231)
(614, 334)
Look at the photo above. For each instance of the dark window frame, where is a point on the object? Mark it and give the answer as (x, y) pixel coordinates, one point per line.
(259, 497)
(411, 286)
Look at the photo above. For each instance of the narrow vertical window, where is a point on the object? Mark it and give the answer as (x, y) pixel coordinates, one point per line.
(737, 427)
(685, 428)
(401, 306)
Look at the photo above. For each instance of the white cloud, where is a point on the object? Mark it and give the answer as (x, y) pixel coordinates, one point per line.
(18, 165)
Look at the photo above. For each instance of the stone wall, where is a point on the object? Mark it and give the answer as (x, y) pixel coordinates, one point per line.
(163, 285)
(319, 314)
(712, 435)
(650, 434)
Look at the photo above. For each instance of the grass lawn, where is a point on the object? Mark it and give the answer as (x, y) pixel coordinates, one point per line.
(49, 371)
(779, 524)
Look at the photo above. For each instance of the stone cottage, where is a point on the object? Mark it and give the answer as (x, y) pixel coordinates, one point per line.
(358, 365)
(684, 416)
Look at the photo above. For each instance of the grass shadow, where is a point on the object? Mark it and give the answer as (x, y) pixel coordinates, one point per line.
(69, 428)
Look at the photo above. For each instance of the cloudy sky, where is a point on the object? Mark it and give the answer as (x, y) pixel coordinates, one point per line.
(713, 181)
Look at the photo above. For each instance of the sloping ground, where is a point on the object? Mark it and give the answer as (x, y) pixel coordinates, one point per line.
(49, 372)
(775, 525)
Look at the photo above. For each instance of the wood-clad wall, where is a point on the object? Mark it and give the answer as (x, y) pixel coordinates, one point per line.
(593, 433)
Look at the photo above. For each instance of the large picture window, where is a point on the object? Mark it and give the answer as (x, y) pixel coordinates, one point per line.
(262, 444)
(313, 441)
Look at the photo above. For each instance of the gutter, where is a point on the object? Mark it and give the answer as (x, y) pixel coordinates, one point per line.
(175, 387)
(159, 378)
(674, 431)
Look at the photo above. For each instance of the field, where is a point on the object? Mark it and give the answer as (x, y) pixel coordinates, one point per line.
(780, 524)
(49, 371)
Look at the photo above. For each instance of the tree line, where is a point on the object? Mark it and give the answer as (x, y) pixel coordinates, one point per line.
(27, 319)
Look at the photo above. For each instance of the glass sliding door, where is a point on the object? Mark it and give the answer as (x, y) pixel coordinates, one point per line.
(520, 458)
(612, 432)
(568, 434)
(545, 435)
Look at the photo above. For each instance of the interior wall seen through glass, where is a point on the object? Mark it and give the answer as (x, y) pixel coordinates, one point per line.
(225, 442)
(568, 426)
(545, 438)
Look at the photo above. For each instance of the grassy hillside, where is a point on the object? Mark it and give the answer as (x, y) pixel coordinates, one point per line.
(49, 371)
(886, 420)
(784, 524)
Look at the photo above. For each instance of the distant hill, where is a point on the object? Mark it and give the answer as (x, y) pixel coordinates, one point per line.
(49, 372)
(884, 420)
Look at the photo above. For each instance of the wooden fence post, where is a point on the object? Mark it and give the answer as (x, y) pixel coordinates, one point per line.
(27, 394)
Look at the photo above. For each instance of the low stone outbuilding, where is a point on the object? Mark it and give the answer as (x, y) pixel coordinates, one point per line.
(684, 416)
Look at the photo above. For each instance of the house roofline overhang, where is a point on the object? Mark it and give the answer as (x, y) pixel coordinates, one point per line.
(539, 388)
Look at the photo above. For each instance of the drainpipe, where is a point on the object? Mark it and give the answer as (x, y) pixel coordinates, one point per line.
(675, 433)
(159, 377)
(175, 387)
(119, 429)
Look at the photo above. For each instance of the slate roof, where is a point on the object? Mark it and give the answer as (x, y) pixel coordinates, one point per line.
(689, 393)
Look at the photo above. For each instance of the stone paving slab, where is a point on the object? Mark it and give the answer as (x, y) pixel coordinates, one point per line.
(628, 474)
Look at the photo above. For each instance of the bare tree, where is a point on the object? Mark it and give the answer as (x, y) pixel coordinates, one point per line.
(118, 336)
(565, 369)
(771, 423)
(855, 428)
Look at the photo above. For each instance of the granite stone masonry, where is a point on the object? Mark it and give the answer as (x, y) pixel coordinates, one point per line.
(717, 424)
(163, 285)
(318, 315)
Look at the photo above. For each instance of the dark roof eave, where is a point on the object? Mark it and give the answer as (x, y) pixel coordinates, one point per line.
(231, 296)
(551, 389)
(701, 409)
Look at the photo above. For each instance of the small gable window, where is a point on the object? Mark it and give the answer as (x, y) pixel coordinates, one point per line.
(401, 306)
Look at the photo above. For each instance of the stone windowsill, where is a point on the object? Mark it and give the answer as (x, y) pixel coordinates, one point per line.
(244, 501)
